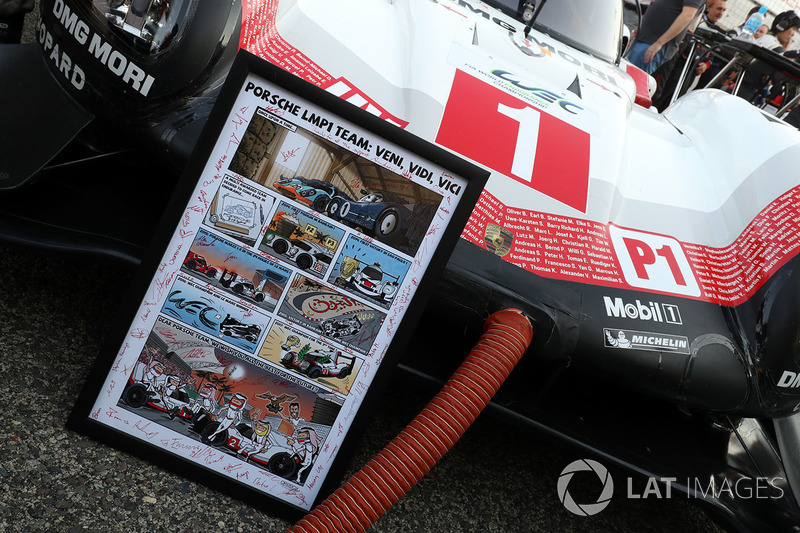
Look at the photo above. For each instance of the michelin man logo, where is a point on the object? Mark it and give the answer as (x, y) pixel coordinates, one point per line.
(585, 509)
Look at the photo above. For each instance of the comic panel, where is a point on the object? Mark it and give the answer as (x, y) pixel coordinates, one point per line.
(214, 314)
(310, 357)
(203, 390)
(301, 239)
(233, 269)
(338, 183)
(369, 271)
(239, 210)
(331, 314)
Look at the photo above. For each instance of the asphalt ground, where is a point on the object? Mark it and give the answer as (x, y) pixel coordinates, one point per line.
(54, 312)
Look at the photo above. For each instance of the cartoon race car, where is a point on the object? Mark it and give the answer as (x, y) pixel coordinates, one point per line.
(149, 386)
(307, 255)
(341, 326)
(241, 286)
(677, 228)
(323, 362)
(368, 279)
(198, 263)
(379, 213)
(232, 327)
(311, 192)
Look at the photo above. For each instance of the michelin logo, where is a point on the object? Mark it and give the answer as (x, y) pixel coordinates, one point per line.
(652, 311)
(642, 340)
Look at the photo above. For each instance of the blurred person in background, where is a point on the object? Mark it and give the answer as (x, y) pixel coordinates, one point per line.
(663, 27)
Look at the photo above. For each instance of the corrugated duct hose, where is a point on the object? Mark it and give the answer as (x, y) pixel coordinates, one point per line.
(371, 491)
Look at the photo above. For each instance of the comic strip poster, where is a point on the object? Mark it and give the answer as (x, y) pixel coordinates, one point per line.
(301, 239)
(230, 268)
(293, 263)
(238, 210)
(332, 314)
(214, 314)
(309, 356)
(202, 390)
(369, 271)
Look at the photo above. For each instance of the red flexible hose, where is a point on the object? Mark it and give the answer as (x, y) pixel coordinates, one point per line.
(371, 491)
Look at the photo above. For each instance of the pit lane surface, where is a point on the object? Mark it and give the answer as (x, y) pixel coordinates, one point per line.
(54, 311)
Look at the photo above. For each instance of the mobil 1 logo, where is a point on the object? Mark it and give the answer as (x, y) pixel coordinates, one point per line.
(638, 310)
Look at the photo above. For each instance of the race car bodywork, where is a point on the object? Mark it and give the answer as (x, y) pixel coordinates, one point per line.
(655, 253)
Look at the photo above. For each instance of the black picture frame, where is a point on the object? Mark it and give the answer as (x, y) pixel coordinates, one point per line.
(150, 322)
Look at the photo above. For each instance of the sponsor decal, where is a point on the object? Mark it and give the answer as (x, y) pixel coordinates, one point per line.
(641, 340)
(789, 380)
(117, 63)
(505, 133)
(637, 310)
(653, 262)
(537, 92)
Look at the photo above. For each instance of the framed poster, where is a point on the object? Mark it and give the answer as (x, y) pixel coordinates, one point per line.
(296, 255)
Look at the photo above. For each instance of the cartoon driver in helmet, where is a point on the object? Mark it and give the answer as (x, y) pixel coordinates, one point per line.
(261, 441)
(232, 415)
(205, 400)
(153, 377)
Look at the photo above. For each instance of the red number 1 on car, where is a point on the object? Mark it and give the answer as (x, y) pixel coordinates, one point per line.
(514, 138)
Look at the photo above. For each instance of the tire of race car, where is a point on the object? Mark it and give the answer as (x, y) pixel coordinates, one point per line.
(214, 219)
(191, 264)
(211, 272)
(210, 428)
(259, 297)
(135, 395)
(199, 421)
(333, 208)
(304, 261)
(282, 464)
(320, 204)
(238, 289)
(387, 223)
(314, 373)
(280, 246)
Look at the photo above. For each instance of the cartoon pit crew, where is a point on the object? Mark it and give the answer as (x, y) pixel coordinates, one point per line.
(232, 415)
(205, 401)
(305, 446)
(261, 439)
